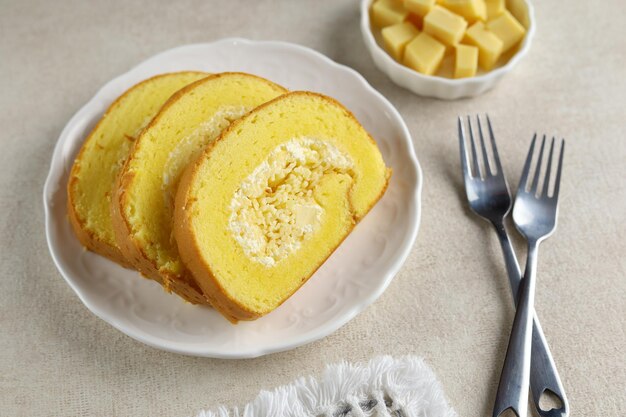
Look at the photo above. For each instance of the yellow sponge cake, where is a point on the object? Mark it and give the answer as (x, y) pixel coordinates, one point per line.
(269, 201)
(143, 203)
(103, 153)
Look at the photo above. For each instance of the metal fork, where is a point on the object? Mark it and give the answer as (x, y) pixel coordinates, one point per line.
(535, 215)
(489, 197)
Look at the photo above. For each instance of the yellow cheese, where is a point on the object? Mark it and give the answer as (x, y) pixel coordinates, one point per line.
(419, 7)
(424, 54)
(481, 10)
(471, 10)
(508, 29)
(388, 12)
(466, 61)
(489, 45)
(519, 10)
(418, 21)
(444, 25)
(397, 36)
(494, 8)
(446, 69)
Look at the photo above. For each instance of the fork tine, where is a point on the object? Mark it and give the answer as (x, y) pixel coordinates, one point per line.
(486, 167)
(533, 187)
(494, 147)
(557, 182)
(524, 178)
(477, 170)
(464, 162)
(546, 181)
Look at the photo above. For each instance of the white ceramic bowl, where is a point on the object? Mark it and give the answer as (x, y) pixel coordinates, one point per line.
(440, 87)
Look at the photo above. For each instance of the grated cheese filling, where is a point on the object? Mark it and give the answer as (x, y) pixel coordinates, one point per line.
(274, 209)
(190, 147)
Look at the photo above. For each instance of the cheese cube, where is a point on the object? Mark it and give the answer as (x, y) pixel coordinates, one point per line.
(419, 7)
(489, 45)
(446, 69)
(494, 8)
(508, 29)
(466, 61)
(388, 12)
(471, 10)
(519, 10)
(424, 54)
(444, 25)
(481, 10)
(397, 36)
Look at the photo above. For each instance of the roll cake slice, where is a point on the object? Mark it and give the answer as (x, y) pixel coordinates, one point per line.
(267, 203)
(103, 153)
(143, 202)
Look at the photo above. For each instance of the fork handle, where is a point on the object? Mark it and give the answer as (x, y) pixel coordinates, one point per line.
(515, 378)
(543, 375)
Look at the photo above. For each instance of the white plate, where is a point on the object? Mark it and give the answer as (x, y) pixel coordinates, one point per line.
(352, 278)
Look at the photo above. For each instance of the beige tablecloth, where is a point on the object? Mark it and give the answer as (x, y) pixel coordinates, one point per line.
(450, 303)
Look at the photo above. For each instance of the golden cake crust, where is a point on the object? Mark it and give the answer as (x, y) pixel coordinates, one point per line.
(88, 239)
(183, 284)
(85, 236)
(187, 241)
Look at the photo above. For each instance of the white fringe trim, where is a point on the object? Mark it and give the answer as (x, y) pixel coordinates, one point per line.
(384, 387)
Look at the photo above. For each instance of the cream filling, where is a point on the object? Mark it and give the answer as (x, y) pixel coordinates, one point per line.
(190, 147)
(274, 210)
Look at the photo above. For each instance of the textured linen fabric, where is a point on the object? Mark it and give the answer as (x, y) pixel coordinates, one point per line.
(450, 303)
(384, 386)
